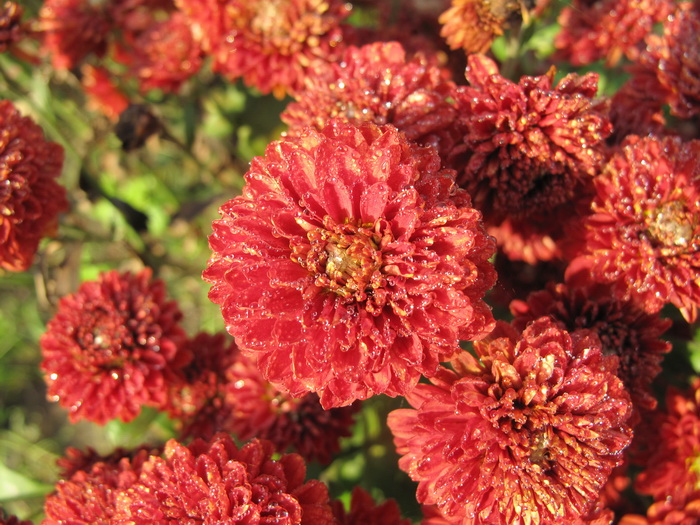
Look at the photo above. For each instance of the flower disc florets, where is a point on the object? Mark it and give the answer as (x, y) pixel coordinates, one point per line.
(526, 433)
(346, 267)
(643, 237)
(30, 197)
(112, 347)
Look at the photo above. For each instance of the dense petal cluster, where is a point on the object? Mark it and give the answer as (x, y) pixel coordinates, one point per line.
(30, 197)
(606, 29)
(215, 482)
(643, 237)
(112, 347)
(270, 44)
(624, 329)
(474, 24)
(88, 494)
(528, 151)
(380, 84)
(528, 432)
(166, 54)
(364, 511)
(346, 267)
(674, 57)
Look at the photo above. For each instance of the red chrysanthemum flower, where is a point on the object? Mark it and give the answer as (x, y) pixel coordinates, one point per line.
(30, 198)
(591, 30)
(102, 93)
(664, 512)
(11, 30)
(377, 83)
(73, 29)
(672, 473)
(346, 267)
(198, 402)
(258, 409)
(527, 432)
(215, 482)
(623, 328)
(112, 347)
(474, 24)
(270, 44)
(364, 511)
(643, 237)
(166, 55)
(674, 57)
(89, 494)
(528, 152)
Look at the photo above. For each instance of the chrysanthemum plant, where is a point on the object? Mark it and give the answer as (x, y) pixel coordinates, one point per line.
(338, 263)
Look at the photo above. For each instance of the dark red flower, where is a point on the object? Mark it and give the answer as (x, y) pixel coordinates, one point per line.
(270, 44)
(528, 430)
(198, 402)
(11, 30)
(89, 494)
(74, 29)
(30, 197)
(672, 473)
(379, 84)
(215, 482)
(624, 330)
(674, 57)
(364, 511)
(528, 153)
(12, 520)
(258, 409)
(346, 267)
(643, 236)
(112, 347)
(474, 24)
(165, 55)
(591, 30)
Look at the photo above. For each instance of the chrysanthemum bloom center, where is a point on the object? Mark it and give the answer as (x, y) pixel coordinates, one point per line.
(671, 228)
(345, 259)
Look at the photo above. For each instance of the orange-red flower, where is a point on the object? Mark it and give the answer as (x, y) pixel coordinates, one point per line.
(643, 236)
(380, 84)
(215, 482)
(165, 55)
(112, 347)
(606, 29)
(528, 153)
(346, 267)
(11, 30)
(30, 197)
(527, 430)
(74, 29)
(474, 24)
(271, 44)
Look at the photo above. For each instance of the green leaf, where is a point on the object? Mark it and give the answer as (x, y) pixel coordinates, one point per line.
(15, 486)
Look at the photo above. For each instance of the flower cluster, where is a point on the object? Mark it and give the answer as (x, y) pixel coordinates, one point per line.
(346, 267)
